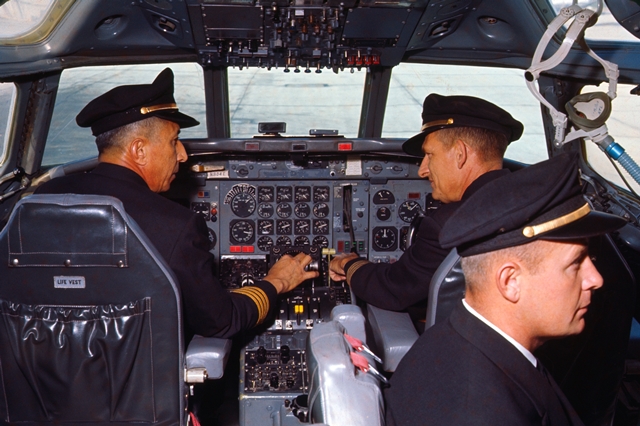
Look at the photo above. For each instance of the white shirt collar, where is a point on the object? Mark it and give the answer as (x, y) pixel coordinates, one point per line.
(532, 359)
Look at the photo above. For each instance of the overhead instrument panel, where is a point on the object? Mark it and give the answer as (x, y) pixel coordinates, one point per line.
(304, 36)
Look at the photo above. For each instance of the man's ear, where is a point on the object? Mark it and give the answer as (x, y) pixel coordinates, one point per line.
(508, 280)
(138, 150)
(461, 151)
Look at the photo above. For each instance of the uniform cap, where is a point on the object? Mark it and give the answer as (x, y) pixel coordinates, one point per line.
(445, 112)
(542, 201)
(127, 104)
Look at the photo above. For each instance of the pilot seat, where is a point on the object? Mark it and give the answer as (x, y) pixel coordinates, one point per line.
(90, 319)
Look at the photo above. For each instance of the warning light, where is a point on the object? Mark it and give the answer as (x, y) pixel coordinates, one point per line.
(345, 146)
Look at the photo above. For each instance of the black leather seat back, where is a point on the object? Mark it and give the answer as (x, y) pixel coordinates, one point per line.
(445, 290)
(90, 317)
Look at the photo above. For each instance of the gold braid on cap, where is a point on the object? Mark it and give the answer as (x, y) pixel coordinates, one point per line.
(153, 108)
(446, 122)
(532, 231)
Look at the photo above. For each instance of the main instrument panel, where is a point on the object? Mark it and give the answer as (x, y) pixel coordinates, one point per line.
(362, 204)
(258, 210)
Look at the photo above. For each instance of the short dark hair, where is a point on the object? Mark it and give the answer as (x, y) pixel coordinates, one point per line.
(490, 145)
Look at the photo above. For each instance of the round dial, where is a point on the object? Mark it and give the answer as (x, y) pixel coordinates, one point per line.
(383, 196)
(321, 210)
(301, 241)
(302, 210)
(302, 227)
(283, 241)
(408, 210)
(383, 213)
(213, 239)
(243, 204)
(265, 210)
(265, 227)
(242, 231)
(320, 193)
(265, 243)
(385, 238)
(321, 227)
(284, 210)
(321, 241)
(283, 227)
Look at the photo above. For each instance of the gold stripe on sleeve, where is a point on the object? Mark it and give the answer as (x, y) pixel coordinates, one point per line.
(354, 267)
(259, 297)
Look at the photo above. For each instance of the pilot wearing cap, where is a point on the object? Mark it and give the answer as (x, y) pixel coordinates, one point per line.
(462, 142)
(136, 129)
(529, 278)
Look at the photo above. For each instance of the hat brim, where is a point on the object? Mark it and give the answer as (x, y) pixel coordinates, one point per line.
(183, 120)
(413, 145)
(593, 224)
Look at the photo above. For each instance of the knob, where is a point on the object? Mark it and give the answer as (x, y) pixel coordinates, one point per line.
(285, 354)
(261, 355)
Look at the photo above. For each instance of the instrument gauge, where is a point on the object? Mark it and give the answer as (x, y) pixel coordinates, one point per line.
(265, 243)
(302, 210)
(242, 231)
(409, 210)
(321, 227)
(265, 194)
(265, 210)
(384, 196)
(243, 204)
(283, 241)
(301, 241)
(213, 239)
(242, 200)
(284, 210)
(383, 213)
(302, 194)
(321, 241)
(283, 227)
(320, 193)
(321, 210)
(302, 227)
(385, 238)
(265, 227)
(283, 193)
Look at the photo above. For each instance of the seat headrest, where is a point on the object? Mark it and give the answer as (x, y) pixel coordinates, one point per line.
(67, 230)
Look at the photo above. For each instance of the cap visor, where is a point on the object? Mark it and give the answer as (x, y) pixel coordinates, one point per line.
(413, 146)
(595, 223)
(183, 120)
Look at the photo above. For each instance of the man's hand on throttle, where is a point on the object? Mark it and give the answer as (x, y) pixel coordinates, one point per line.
(336, 267)
(288, 272)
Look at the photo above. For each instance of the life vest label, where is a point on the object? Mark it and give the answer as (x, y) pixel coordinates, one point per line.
(68, 282)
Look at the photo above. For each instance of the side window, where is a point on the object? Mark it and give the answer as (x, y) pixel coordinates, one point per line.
(623, 128)
(411, 83)
(78, 86)
(7, 102)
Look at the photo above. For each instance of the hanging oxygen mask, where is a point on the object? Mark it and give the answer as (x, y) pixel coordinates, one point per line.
(588, 112)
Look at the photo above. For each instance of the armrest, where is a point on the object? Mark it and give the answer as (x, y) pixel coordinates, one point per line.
(394, 333)
(210, 353)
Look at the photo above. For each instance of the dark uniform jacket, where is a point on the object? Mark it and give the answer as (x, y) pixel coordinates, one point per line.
(182, 239)
(462, 372)
(396, 286)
